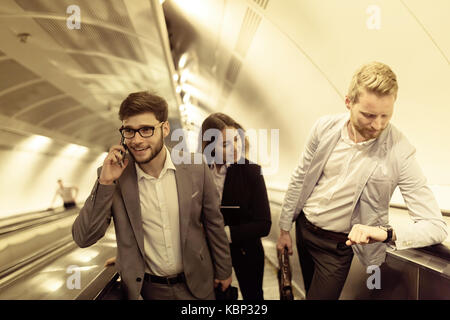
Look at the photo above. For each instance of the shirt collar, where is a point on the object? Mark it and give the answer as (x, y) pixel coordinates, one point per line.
(168, 164)
(222, 170)
(346, 137)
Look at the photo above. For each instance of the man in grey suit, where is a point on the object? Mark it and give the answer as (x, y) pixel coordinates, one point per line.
(339, 194)
(171, 242)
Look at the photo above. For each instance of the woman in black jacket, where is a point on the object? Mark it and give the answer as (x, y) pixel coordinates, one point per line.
(244, 202)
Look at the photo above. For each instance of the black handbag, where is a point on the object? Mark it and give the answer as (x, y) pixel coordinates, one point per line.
(231, 293)
(285, 276)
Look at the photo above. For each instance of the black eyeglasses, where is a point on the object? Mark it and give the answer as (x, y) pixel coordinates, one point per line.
(145, 132)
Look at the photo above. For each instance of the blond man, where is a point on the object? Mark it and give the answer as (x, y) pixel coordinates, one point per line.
(339, 194)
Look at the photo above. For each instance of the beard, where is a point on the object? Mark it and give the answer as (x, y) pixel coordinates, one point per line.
(364, 132)
(153, 152)
(367, 133)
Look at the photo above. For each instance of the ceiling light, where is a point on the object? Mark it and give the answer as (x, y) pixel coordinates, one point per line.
(187, 97)
(182, 61)
(36, 143)
(184, 76)
(74, 150)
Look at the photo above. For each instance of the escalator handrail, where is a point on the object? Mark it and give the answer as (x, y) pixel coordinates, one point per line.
(438, 250)
(33, 220)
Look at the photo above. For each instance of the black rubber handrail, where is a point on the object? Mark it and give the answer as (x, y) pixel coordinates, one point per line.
(33, 220)
(439, 250)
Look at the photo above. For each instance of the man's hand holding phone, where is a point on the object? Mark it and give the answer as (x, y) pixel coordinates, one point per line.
(114, 164)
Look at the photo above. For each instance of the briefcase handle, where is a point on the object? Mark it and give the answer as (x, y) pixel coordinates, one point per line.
(284, 275)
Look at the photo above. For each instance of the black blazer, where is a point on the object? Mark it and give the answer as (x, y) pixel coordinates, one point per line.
(244, 187)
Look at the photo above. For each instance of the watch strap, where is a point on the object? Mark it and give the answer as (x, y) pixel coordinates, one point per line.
(388, 229)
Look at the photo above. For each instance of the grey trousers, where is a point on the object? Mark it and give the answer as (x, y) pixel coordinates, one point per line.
(178, 291)
(325, 263)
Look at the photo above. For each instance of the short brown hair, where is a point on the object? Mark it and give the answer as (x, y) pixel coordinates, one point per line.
(375, 77)
(141, 102)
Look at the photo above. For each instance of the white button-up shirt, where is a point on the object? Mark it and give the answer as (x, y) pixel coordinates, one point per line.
(160, 219)
(219, 177)
(329, 205)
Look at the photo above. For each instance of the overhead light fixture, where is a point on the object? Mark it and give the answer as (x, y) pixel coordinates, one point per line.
(187, 97)
(182, 61)
(176, 77)
(36, 143)
(74, 150)
(184, 76)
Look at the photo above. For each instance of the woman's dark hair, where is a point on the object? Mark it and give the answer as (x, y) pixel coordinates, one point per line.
(220, 121)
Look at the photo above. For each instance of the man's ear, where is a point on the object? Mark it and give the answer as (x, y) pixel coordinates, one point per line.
(348, 103)
(166, 128)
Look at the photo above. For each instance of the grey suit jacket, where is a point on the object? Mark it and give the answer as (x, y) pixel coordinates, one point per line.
(205, 248)
(391, 162)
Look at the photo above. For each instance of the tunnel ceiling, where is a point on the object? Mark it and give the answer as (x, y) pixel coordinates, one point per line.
(68, 83)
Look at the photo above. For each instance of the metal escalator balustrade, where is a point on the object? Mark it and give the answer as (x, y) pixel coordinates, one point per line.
(37, 254)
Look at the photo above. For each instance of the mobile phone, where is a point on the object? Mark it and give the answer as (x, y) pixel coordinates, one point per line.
(122, 143)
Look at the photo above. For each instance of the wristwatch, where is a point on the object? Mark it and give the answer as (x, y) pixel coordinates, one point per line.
(389, 230)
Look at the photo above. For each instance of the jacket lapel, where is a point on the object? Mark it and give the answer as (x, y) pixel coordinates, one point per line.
(230, 195)
(319, 160)
(130, 193)
(184, 190)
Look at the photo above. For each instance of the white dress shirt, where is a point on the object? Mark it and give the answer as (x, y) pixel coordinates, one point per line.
(219, 181)
(160, 219)
(329, 205)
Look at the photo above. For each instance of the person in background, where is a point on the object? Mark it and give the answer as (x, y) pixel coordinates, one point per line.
(244, 201)
(67, 194)
(340, 192)
(171, 243)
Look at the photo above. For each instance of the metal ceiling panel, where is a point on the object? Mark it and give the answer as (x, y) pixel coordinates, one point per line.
(45, 110)
(75, 124)
(66, 118)
(94, 38)
(93, 64)
(233, 69)
(13, 73)
(248, 29)
(93, 128)
(110, 11)
(10, 138)
(262, 3)
(101, 65)
(14, 101)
